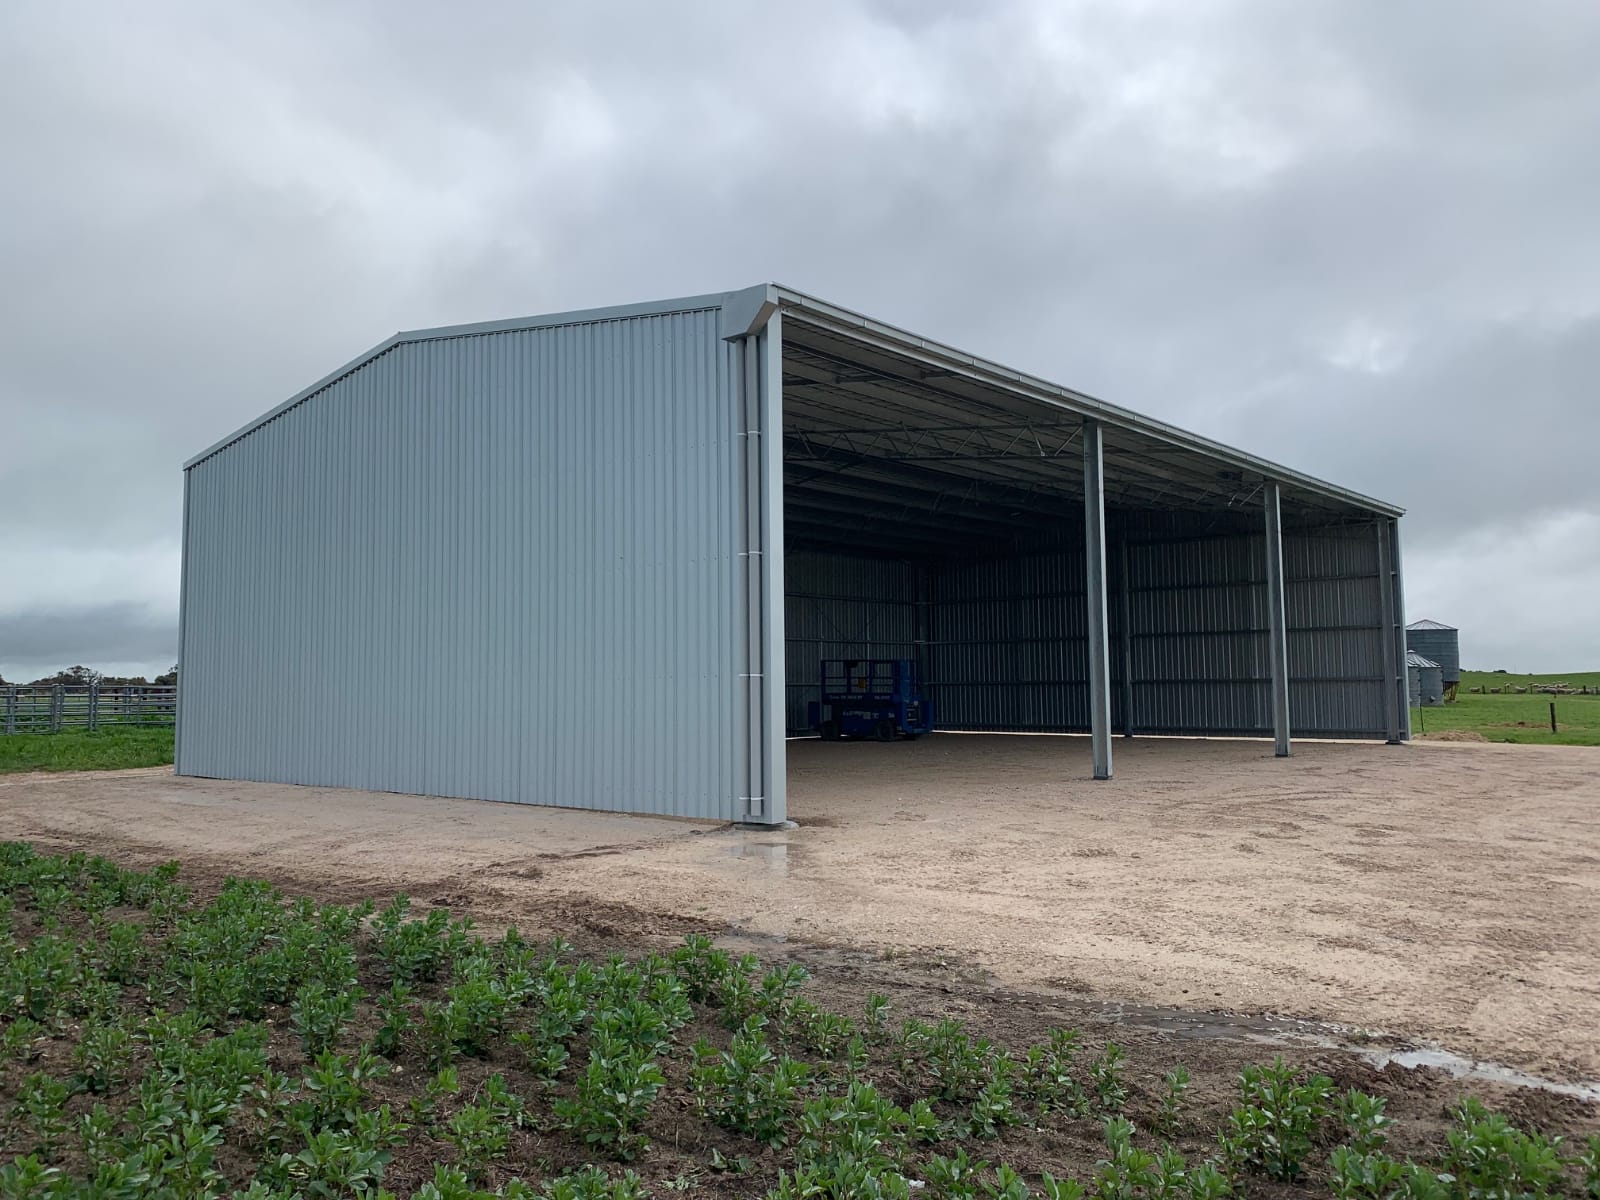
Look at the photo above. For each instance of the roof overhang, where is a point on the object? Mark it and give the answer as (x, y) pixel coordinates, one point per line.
(1028, 401)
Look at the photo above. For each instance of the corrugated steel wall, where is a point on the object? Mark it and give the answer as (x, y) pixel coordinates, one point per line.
(1335, 607)
(839, 606)
(1007, 644)
(1009, 648)
(501, 565)
(1199, 626)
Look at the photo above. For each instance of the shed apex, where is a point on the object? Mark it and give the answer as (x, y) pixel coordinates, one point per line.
(1427, 624)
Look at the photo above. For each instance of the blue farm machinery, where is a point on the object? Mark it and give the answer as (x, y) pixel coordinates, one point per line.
(870, 698)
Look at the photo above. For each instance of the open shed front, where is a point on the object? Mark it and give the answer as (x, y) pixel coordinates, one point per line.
(1054, 564)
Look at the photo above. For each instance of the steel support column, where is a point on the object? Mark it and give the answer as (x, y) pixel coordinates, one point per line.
(183, 626)
(1094, 529)
(1125, 629)
(1394, 694)
(1404, 698)
(764, 792)
(774, 668)
(1277, 624)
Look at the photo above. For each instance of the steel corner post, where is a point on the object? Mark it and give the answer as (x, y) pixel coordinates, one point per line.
(1094, 530)
(764, 798)
(1277, 623)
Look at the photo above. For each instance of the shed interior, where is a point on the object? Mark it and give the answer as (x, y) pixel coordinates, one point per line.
(935, 515)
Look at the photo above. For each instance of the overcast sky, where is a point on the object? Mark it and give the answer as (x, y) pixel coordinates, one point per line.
(1360, 238)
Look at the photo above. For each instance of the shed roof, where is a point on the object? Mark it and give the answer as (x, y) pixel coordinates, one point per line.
(862, 389)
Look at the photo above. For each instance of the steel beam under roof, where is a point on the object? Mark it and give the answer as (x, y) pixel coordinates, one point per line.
(877, 437)
(882, 455)
(944, 375)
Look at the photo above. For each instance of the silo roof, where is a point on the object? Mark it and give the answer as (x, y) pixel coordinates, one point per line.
(1413, 659)
(1427, 624)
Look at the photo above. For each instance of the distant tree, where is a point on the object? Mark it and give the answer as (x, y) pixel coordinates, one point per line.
(79, 676)
(170, 679)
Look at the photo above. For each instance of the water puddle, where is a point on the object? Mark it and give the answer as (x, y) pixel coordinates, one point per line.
(767, 851)
(1228, 1027)
(1326, 1035)
(1468, 1068)
(775, 856)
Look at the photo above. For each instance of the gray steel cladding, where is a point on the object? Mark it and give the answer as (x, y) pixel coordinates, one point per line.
(1009, 645)
(500, 565)
(1009, 650)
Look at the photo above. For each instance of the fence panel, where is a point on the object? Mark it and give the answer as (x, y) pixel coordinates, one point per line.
(50, 708)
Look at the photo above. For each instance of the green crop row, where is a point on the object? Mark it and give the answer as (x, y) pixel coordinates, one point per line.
(160, 1046)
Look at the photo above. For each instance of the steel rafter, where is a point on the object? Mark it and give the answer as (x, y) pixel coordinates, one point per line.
(942, 443)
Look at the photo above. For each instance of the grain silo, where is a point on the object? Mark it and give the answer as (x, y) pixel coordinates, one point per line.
(1442, 644)
(1423, 680)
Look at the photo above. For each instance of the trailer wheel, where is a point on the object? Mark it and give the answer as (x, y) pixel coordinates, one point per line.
(830, 731)
(885, 731)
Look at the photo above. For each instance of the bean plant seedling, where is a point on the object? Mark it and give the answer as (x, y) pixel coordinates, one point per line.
(1271, 1130)
(1176, 1088)
(157, 1044)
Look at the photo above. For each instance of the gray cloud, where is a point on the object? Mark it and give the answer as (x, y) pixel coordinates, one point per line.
(1353, 237)
(118, 639)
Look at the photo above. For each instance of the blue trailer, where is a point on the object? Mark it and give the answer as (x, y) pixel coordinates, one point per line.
(870, 698)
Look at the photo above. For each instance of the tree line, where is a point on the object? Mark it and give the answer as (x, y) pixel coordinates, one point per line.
(81, 676)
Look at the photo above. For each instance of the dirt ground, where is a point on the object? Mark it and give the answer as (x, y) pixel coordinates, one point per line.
(1448, 892)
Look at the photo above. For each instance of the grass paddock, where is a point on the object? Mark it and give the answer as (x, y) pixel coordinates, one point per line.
(83, 750)
(1520, 717)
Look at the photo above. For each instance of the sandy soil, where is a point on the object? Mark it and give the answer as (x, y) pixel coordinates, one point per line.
(1444, 891)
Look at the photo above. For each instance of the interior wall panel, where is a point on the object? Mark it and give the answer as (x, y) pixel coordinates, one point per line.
(1008, 650)
(1009, 643)
(843, 606)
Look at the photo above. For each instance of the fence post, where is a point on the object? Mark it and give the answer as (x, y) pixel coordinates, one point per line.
(57, 694)
(11, 709)
(94, 705)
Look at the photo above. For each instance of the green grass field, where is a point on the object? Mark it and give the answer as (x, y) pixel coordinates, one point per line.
(1521, 718)
(1471, 679)
(80, 750)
